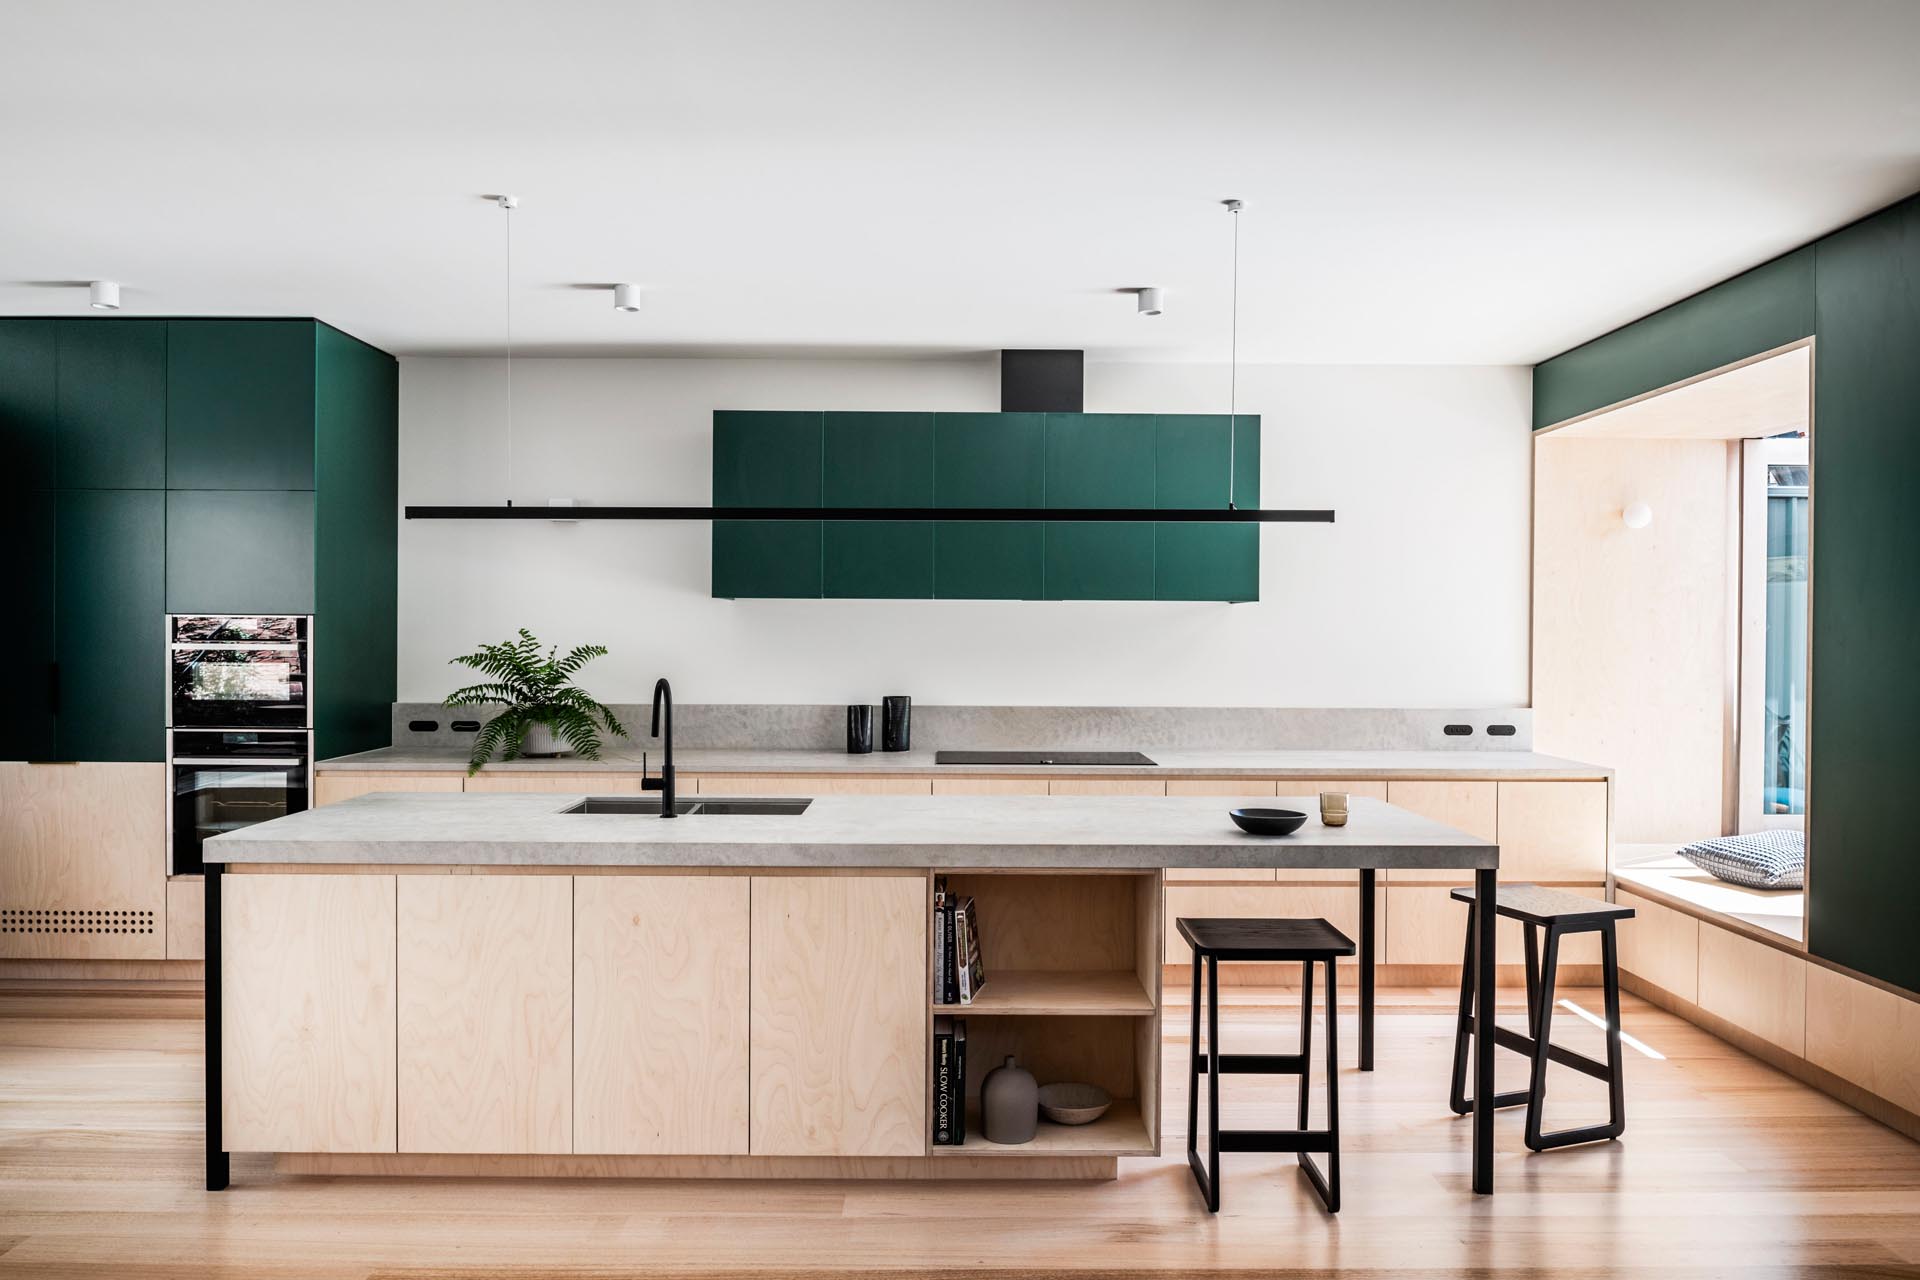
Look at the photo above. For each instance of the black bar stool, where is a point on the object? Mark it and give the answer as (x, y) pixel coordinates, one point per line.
(1306, 941)
(1559, 913)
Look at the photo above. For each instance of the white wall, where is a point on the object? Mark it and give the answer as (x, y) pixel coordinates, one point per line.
(1417, 596)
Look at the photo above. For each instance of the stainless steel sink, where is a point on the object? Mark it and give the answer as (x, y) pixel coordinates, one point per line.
(719, 806)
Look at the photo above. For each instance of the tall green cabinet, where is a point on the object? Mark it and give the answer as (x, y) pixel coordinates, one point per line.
(155, 466)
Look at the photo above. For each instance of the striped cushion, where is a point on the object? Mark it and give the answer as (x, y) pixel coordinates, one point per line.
(1763, 860)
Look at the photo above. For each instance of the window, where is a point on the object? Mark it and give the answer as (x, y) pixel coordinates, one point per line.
(1773, 648)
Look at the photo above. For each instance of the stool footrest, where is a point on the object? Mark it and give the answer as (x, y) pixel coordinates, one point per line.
(1507, 1038)
(1276, 1140)
(1276, 1064)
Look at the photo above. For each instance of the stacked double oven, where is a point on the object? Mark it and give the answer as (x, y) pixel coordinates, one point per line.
(239, 726)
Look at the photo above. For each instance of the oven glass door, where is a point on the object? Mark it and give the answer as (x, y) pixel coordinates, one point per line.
(239, 687)
(209, 799)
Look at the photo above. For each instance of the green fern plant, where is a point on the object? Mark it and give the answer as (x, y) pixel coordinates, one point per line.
(535, 689)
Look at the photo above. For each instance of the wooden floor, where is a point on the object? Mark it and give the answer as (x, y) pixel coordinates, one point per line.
(1728, 1167)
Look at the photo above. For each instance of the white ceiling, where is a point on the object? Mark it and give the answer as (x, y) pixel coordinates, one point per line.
(1464, 182)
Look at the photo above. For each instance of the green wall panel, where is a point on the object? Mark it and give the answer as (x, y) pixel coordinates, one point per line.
(765, 459)
(356, 543)
(109, 623)
(27, 693)
(240, 404)
(877, 460)
(1864, 872)
(112, 404)
(239, 551)
(1758, 310)
(877, 560)
(989, 460)
(29, 374)
(766, 559)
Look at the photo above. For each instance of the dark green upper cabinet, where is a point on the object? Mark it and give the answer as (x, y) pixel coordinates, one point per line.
(240, 551)
(878, 460)
(1207, 561)
(112, 404)
(28, 673)
(1100, 460)
(240, 404)
(29, 370)
(989, 460)
(767, 459)
(110, 623)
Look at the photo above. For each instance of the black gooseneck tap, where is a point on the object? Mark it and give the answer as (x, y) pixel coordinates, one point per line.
(663, 696)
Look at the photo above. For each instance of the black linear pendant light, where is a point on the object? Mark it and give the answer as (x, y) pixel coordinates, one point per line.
(1230, 514)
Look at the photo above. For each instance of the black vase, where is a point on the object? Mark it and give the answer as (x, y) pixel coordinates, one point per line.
(896, 723)
(859, 730)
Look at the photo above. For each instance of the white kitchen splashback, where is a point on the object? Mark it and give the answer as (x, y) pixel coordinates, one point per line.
(805, 727)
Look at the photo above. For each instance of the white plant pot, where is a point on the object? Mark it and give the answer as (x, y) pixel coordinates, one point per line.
(541, 742)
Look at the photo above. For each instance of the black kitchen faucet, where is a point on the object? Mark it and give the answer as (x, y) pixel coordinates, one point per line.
(662, 695)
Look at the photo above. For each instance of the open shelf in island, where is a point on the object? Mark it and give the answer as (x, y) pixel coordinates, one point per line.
(1072, 994)
(1120, 1132)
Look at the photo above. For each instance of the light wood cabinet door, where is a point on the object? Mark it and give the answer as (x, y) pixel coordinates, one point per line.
(1553, 832)
(839, 1015)
(330, 787)
(83, 861)
(1472, 807)
(817, 784)
(1426, 926)
(1661, 945)
(485, 1013)
(989, 786)
(307, 1007)
(600, 783)
(660, 1015)
(1106, 787)
(1337, 904)
(1758, 988)
(186, 919)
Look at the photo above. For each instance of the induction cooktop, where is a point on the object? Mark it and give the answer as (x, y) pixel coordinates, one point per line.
(1041, 757)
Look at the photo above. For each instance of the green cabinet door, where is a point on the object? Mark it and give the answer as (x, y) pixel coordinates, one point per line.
(111, 404)
(239, 551)
(1100, 460)
(767, 459)
(877, 460)
(240, 404)
(1194, 455)
(988, 460)
(28, 691)
(110, 623)
(29, 364)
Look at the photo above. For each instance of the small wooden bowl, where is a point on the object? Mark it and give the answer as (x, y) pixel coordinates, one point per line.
(1074, 1103)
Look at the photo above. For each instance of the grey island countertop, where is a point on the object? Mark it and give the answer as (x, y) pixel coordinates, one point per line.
(987, 832)
(1168, 763)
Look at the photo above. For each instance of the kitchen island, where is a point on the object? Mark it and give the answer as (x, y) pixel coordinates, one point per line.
(490, 983)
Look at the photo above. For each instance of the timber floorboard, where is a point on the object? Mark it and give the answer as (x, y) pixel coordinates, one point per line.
(1727, 1167)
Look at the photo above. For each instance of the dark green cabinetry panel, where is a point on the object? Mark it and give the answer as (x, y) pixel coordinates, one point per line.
(1207, 561)
(766, 559)
(27, 671)
(989, 460)
(239, 551)
(1100, 460)
(111, 406)
(29, 372)
(767, 459)
(877, 460)
(240, 404)
(356, 543)
(1864, 875)
(109, 623)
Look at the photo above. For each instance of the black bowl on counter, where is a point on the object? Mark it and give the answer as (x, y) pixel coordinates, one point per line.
(1268, 822)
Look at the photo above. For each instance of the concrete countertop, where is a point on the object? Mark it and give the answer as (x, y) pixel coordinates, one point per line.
(625, 758)
(1126, 832)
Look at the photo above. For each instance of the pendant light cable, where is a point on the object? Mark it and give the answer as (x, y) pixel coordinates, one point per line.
(1233, 356)
(507, 205)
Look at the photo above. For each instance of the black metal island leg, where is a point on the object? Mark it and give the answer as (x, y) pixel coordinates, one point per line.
(217, 1164)
(1485, 889)
(1366, 968)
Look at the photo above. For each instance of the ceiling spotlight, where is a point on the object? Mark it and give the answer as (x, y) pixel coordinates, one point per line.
(1148, 300)
(104, 295)
(626, 297)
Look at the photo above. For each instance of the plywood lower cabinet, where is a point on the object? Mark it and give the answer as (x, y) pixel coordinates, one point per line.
(1758, 988)
(1472, 807)
(186, 918)
(1553, 832)
(1661, 945)
(660, 974)
(554, 782)
(331, 786)
(1338, 904)
(83, 852)
(1426, 926)
(485, 1012)
(814, 784)
(307, 1003)
(839, 1015)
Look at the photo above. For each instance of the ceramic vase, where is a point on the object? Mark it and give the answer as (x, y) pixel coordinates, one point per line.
(1009, 1104)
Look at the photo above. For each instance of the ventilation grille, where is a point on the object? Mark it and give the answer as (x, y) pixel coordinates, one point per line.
(57, 920)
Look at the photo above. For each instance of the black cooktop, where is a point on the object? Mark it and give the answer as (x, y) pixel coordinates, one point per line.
(1041, 757)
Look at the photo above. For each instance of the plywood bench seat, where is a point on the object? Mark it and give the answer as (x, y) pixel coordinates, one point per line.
(1658, 872)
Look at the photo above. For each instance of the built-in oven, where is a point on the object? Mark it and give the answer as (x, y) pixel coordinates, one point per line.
(231, 672)
(226, 779)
